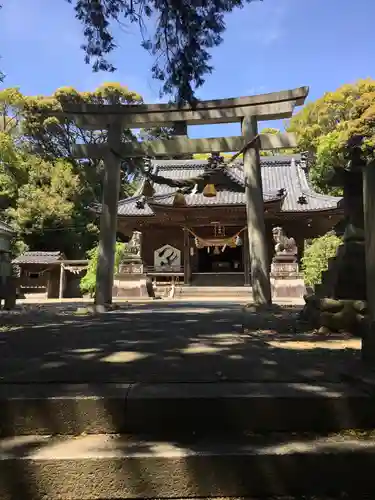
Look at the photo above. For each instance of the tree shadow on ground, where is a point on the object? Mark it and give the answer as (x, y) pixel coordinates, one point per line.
(158, 343)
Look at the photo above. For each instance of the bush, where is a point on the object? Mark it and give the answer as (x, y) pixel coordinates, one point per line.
(88, 282)
(316, 255)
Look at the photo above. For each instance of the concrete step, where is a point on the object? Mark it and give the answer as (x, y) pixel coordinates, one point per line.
(214, 291)
(183, 408)
(120, 467)
(207, 289)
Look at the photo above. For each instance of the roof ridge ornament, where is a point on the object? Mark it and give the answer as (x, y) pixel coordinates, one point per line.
(305, 160)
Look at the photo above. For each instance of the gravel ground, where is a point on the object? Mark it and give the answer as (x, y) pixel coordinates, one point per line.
(166, 342)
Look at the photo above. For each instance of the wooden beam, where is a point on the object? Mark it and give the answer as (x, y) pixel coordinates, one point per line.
(183, 145)
(298, 94)
(139, 119)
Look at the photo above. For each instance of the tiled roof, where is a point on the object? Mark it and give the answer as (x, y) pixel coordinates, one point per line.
(4, 228)
(224, 198)
(278, 172)
(39, 258)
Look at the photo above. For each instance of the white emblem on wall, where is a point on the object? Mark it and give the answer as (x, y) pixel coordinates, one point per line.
(167, 258)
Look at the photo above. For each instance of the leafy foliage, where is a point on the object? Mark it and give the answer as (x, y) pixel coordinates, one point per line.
(45, 200)
(11, 171)
(11, 101)
(55, 137)
(185, 32)
(316, 256)
(326, 127)
(88, 282)
(44, 190)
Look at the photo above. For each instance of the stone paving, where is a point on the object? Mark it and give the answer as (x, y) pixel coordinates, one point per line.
(166, 342)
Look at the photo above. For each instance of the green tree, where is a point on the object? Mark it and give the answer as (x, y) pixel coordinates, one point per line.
(11, 170)
(52, 138)
(316, 257)
(88, 282)
(31, 142)
(44, 204)
(325, 127)
(11, 101)
(36, 196)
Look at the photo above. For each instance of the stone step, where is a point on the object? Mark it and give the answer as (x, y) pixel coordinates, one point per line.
(220, 291)
(221, 407)
(121, 467)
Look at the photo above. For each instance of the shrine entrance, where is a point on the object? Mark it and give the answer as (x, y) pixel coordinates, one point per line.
(219, 257)
(227, 260)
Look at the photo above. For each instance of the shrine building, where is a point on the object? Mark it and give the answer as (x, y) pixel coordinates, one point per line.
(201, 238)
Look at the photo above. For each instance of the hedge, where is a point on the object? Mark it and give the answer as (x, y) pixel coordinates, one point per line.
(316, 256)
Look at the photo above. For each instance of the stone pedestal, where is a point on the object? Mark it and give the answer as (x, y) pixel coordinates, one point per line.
(285, 278)
(131, 281)
(284, 265)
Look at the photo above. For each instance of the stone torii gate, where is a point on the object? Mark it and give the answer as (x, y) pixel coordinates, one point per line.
(246, 110)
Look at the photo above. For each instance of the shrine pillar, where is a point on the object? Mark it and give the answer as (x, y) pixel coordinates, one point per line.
(187, 257)
(108, 219)
(259, 268)
(62, 281)
(246, 260)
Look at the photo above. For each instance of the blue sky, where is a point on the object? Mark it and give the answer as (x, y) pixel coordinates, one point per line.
(269, 46)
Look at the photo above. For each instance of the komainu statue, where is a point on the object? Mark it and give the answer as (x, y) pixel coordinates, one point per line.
(283, 244)
(135, 244)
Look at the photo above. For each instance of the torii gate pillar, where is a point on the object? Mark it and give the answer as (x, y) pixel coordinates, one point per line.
(108, 220)
(259, 266)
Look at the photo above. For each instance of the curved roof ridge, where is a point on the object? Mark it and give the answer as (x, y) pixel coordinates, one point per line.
(320, 196)
(124, 201)
(191, 163)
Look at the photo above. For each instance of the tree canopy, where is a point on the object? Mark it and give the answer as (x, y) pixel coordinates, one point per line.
(325, 128)
(185, 31)
(45, 192)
